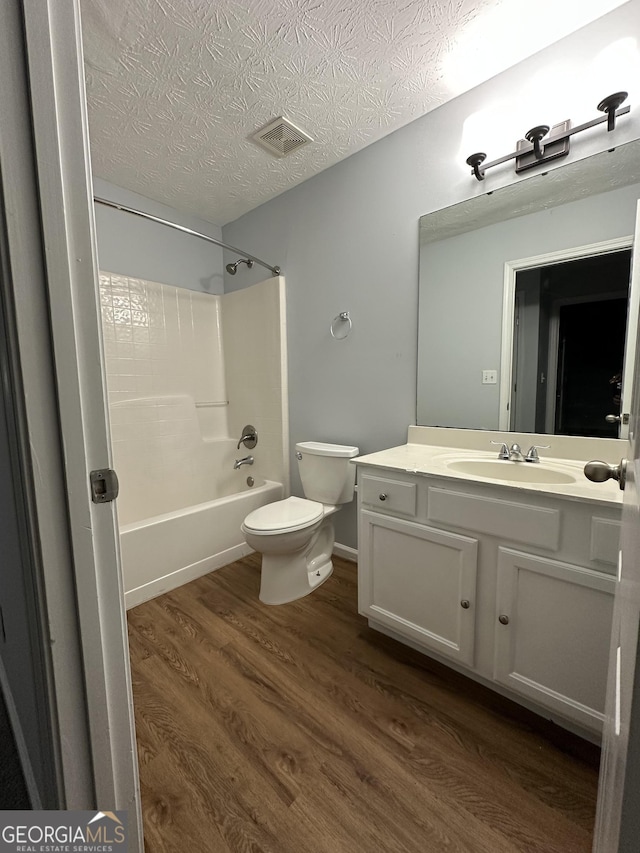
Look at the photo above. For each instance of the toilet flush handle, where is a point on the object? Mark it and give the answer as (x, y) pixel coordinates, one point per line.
(298, 455)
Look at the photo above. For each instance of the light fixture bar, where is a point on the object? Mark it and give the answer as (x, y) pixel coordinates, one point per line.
(539, 141)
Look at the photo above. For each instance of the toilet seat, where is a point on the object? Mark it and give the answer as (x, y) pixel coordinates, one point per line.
(282, 516)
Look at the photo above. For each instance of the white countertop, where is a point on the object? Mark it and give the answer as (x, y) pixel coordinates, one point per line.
(418, 457)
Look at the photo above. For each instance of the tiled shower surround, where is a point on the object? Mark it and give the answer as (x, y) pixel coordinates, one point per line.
(185, 372)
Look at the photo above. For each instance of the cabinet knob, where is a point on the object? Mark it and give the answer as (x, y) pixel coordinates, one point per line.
(465, 604)
(503, 620)
(383, 497)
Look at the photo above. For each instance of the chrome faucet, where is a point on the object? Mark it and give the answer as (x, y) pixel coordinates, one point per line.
(532, 452)
(503, 453)
(246, 460)
(515, 453)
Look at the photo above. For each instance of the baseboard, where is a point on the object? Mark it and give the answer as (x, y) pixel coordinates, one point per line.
(21, 745)
(147, 591)
(347, 553)
(166, 583)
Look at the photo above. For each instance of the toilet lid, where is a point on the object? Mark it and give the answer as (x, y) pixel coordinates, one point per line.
(289, 514)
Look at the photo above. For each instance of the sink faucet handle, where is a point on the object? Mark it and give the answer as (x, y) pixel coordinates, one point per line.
(532, 452)
(503, 453)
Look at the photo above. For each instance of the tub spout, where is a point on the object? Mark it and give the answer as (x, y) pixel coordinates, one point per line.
(246, 460)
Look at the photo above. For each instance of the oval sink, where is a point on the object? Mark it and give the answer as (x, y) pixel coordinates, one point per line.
(517, 472)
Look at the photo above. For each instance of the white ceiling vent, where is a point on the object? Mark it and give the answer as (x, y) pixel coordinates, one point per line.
(280, 137)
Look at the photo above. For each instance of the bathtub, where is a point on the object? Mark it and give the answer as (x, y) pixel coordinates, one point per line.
(166, 551)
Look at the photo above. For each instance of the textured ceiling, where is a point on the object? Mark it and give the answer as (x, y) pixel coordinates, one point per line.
(176, 87)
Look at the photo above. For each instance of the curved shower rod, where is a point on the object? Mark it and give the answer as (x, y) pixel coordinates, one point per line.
(185, 230)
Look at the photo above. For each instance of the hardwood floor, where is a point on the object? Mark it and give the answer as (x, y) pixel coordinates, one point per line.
(297, 729)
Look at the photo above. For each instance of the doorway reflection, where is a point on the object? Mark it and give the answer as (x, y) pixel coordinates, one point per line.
(568, 346)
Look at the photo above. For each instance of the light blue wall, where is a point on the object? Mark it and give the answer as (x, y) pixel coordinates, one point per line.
(136, 247)
(347, 239)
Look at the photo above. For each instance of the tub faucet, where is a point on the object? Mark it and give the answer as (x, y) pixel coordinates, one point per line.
(246, 460)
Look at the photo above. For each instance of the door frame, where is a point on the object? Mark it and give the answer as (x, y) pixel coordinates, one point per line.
(48, 200)
(511, 268)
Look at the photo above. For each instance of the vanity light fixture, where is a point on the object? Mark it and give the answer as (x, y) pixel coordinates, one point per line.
(537, 148)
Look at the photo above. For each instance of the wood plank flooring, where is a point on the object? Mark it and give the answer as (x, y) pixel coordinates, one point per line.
(297, 729)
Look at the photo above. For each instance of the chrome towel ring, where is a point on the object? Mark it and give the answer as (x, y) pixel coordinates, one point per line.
(342, 317)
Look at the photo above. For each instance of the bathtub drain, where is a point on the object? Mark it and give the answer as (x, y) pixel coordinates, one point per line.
(250, 481)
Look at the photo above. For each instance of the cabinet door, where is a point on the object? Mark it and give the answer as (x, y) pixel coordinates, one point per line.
(553, 626)
(420, 582)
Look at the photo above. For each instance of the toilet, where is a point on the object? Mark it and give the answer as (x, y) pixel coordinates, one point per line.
(295, 536)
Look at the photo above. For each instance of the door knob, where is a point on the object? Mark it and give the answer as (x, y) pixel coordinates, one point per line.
(599, 472)
(618, 419)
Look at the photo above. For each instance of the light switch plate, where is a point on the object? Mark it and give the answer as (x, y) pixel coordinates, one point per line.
(489, 377)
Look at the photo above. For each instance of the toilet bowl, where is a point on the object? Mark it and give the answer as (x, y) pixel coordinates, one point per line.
(296, 536)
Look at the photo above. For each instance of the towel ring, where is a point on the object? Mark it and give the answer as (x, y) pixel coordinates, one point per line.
(344, 317)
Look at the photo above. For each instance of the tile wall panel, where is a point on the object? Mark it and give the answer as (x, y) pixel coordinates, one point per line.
(255, 361)
(185, 372)
(167, 393)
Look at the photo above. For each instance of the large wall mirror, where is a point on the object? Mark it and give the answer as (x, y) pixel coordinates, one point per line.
(526, 320)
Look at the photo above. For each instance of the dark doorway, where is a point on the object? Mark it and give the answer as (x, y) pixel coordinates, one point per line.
(569, 342)
(590, 362)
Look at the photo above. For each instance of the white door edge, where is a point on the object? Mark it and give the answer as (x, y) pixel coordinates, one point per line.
(54, 58)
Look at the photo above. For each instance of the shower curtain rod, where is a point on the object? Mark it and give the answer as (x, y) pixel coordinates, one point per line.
(125, 209)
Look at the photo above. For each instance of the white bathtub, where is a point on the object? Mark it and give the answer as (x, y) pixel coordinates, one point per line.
(166, 551)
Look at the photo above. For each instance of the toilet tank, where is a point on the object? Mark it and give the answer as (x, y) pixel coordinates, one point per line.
(325, 470)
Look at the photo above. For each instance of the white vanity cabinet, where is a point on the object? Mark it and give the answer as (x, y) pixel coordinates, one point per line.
(552, 634)
(420, 581)
(512, 587)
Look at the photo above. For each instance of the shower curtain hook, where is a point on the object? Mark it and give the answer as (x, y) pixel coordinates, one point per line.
(346, 318)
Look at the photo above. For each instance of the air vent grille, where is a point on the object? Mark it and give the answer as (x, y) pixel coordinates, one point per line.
(280, 137)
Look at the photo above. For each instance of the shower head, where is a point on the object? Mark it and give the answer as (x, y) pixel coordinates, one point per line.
(232, 269)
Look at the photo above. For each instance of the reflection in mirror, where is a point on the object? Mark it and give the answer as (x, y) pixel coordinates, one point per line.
(506, 277)
(560, 381)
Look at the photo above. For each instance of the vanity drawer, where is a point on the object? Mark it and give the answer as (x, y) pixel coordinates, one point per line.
(389, 495)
